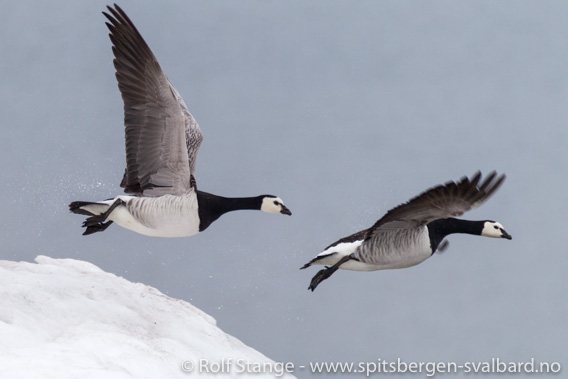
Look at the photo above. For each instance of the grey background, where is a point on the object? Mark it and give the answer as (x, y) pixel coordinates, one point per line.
(344, 109)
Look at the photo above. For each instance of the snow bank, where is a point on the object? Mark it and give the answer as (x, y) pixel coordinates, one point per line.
(63, 318)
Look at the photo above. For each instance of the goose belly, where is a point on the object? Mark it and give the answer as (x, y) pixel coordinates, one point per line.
(164, 216)
(393, 249)
(351, 264)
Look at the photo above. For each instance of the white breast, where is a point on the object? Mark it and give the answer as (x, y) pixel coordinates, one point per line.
(164, 216)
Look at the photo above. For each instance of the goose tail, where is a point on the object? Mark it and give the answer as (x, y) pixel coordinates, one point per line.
(77, 208)
(97, 215)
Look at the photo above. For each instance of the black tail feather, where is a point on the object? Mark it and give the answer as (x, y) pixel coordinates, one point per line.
(315, 260)
(75, 207)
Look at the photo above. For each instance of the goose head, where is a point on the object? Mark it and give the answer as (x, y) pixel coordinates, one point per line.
(273, 204)
(495, 230)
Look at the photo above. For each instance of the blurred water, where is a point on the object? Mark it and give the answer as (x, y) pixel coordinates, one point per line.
(344, 109)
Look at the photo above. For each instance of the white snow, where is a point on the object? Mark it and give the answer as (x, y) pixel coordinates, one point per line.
(63, 318)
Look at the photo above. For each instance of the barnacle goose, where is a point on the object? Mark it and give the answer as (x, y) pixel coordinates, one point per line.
(162, 142)
(411, 232)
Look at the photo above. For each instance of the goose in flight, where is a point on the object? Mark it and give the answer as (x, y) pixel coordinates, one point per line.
(411, 232)
(162, 142)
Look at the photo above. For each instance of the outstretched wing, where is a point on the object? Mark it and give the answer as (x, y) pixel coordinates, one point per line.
(193, 135)
(447, 200)
(162, 137)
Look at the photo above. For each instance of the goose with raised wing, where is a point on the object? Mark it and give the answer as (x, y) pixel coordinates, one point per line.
(411, 232)
(162, 142)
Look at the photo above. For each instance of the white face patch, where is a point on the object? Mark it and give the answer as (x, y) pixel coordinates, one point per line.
(493, 229)
(273, 205)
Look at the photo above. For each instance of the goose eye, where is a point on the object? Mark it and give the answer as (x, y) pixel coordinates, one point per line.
(495, 226)
(276, 203)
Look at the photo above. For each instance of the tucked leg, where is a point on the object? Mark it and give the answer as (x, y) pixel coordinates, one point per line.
(100, 227)
(327, 272)
(97, 223)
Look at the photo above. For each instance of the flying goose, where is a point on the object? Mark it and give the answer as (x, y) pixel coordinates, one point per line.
(411, 232)
(162, 142)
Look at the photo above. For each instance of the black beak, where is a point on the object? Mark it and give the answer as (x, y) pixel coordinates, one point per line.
(506, 235)
(285, 211)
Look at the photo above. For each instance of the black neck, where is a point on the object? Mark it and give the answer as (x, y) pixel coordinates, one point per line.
(211, 207)
(439, 229)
